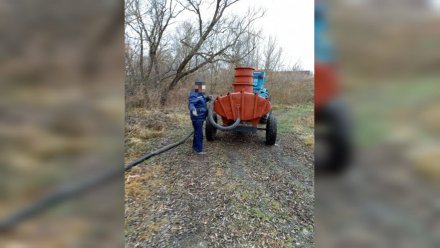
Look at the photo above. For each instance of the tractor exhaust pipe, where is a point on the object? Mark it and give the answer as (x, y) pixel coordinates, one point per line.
(211, 119)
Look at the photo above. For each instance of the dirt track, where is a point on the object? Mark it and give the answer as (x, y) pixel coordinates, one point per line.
(242, 193)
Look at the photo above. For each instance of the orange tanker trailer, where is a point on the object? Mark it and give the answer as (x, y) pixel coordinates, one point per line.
(244, 109)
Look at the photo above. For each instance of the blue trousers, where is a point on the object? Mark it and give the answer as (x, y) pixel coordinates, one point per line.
(198, 134)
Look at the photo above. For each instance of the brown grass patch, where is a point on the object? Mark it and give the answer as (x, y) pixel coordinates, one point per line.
(425, 159)
(309, 140)
(290, 93)
(139, 184)
(308, 121)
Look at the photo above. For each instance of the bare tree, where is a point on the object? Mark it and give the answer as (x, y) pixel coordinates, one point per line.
(272, 55)
(297, 66)
(209, 38)
(160, 56)
(149, 20)
(130, 70)
(132, 8)
(161, 13)
(246, 50)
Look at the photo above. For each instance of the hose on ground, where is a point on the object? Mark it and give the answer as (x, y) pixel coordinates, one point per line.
(63, 193)
(67, 192)
(157, 152)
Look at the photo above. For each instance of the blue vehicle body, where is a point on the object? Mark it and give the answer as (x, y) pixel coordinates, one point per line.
(324, 52)
(259, 81)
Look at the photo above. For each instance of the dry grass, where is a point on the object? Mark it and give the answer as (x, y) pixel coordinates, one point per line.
(309, 140)
(305, 121)
(398, 46)
(145, 124)
(285, 90)
(425, 159)
(141, 132)
(139, 184)
(144, 127)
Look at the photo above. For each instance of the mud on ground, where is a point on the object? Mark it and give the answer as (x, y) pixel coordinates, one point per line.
(242, 193)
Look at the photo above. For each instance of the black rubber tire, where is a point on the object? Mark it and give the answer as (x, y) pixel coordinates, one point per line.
(271, 130)
(210, 130)
(335, 117)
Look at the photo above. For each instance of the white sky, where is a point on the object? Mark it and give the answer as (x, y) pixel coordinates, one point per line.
(292, 23)
(435, 4)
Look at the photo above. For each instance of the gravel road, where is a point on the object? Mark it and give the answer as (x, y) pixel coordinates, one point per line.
(241, 194)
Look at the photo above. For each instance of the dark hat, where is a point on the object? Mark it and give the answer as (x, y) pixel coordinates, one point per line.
(200, 83)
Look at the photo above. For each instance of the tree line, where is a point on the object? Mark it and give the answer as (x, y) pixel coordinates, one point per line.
(166, 41)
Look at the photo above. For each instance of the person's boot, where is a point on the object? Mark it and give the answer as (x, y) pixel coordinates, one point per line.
(200, 153)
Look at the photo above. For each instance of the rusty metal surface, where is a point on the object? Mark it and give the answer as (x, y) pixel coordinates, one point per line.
(327, 84)
(247, 106)
(242, 103)
(244, 79)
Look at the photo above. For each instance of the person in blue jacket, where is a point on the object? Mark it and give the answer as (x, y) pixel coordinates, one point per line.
(198, 112)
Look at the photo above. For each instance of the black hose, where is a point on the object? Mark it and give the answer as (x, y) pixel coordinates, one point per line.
(62, 194)
(157, 152)
(67, 192)
(212, 121)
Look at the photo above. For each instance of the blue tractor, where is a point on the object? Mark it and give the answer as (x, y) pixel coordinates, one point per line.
(333, 138)
(259, 80)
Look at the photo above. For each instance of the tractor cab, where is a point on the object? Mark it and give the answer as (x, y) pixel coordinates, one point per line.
(259, 80)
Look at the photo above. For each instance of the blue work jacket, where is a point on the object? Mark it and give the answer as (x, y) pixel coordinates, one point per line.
(197, 101)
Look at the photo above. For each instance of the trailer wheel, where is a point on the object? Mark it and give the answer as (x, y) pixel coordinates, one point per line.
(271, 130)
(210, 130)
(333, 148)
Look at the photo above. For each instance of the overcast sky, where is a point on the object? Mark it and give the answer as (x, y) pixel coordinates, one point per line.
(292, 22)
